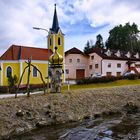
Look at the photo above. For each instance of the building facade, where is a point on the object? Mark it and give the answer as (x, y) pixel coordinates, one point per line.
(13, 61)
(100, 62)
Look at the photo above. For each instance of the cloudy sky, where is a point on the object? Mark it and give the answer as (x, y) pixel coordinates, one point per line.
(80, 20)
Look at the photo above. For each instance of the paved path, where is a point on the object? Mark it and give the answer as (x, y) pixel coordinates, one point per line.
(20, 94)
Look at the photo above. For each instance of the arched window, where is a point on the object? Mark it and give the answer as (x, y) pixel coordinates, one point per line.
(34, 72)
(9, 71)
(50, 41)
(59, 41)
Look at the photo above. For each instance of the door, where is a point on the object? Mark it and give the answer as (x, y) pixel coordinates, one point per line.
(80, 73)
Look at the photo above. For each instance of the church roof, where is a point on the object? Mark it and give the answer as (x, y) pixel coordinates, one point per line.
(55, 25)
(17, 52)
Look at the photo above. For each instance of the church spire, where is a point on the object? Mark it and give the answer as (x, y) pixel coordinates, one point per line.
(55, 25)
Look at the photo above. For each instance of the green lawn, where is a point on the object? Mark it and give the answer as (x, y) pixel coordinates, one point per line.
(100, 85)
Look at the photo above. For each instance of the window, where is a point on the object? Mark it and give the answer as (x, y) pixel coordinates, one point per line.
(96, 66)
(92, 57)
(34, 72)
(70, 60)
(108, 73)
(119, 65)
(118, 74)
(50, 41)
(59, 41)
(78, 60)
(9, 71)
(90, 67)
(67, 71)
(137, 65)
(109, 65)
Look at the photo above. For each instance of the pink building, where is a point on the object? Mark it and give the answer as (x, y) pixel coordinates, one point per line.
(100, 62)
(76, 64)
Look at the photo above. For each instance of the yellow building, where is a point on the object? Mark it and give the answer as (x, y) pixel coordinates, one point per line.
(13, 61)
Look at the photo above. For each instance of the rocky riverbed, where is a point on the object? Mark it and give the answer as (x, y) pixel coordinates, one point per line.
(23, 114)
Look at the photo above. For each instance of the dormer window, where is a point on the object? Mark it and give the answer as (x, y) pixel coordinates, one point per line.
(118, 54)
(136, 55)
(108, 53)
(128, 55)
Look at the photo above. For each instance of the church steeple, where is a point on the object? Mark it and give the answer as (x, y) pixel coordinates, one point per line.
(56, 37)
(55, 25)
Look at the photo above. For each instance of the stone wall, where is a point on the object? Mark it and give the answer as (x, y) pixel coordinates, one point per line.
(26, 113)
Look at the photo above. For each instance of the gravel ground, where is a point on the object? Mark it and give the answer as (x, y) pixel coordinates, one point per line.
(26, 113)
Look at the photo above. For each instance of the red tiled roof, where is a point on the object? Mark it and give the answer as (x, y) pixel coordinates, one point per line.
(17, 52)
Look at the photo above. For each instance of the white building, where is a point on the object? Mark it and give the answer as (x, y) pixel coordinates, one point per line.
(99, 61)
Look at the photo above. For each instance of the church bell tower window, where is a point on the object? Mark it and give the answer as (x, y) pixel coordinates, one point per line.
(59, 41)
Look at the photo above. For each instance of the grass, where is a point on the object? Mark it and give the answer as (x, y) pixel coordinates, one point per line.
(101, 85)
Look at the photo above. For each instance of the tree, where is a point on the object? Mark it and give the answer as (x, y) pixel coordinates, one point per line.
(87, 47)
(99, 41)
(124, 37)
(12, 81)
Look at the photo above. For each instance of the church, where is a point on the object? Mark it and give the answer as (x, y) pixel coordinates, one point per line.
(13, 61)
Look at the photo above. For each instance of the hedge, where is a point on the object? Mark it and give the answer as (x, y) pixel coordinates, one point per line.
(105, 79)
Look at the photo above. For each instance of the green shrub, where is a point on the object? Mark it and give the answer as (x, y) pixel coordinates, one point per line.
(103, 79)
(139, 76)
(12, 81)
(131, 77)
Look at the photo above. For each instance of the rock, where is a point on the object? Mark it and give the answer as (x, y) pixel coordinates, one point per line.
(19, 130)
(97, 115)
(48, 112)
(41, 124)
(28, 114)
(86, 117)
(19, 113)
(108, 132)
(111, 113)
(131, 108)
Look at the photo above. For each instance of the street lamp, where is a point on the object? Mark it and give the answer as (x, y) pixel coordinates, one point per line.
(37, 28)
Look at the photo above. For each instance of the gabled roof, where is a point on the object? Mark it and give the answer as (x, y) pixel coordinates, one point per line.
(55, 26)
(17, 52)
(103, 53)
(74, 51)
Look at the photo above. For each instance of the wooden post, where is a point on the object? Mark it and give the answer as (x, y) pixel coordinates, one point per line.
(41, 77)
(20, 81)
(68, 84)
(28, 80)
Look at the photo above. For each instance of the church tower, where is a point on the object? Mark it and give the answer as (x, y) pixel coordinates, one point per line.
(56, 37)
